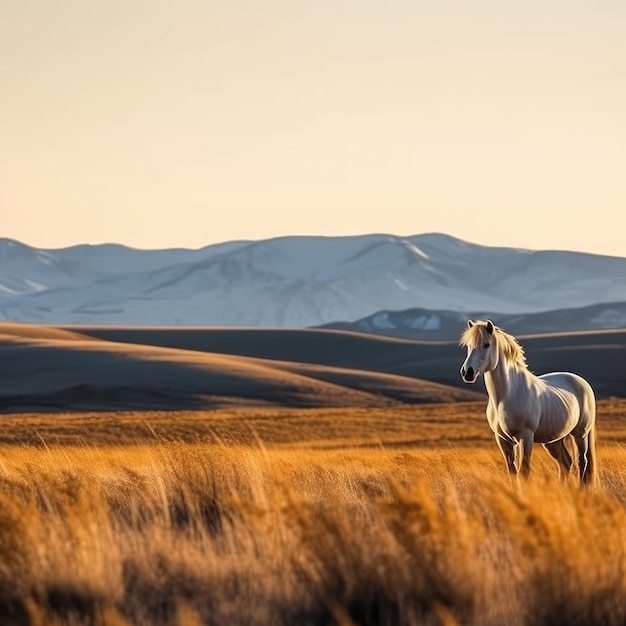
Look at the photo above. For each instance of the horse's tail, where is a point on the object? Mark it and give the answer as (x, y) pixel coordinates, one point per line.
(588, 457)
(591, 477)
(587, 452)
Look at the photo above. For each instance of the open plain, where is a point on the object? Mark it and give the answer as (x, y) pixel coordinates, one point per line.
(275, 477)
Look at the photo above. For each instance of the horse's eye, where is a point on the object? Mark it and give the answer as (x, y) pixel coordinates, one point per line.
(486, 345)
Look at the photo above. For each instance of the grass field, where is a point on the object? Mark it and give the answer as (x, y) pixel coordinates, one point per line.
(381, 516)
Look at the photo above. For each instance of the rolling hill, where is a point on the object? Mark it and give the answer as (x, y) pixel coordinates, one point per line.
(599, 356)
(44, 368)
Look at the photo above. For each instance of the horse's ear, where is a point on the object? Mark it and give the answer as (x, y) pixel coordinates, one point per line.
(490, 327)
(470, 324)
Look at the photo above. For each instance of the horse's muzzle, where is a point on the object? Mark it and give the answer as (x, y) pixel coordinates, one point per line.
(468, 375)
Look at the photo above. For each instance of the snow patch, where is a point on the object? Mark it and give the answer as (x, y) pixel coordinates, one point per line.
(609, 318)
(413, 249)
(35, 286)
(381, 321)
(425, 322)
(8, 290)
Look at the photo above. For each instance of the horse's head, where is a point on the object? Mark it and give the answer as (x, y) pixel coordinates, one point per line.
(482, 352)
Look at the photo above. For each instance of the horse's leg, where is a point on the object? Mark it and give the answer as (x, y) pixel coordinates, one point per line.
(526, 442)
(558, 450)
(507, 448)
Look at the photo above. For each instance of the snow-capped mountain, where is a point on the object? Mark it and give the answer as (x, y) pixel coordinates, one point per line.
(295, 281)
(442, 325)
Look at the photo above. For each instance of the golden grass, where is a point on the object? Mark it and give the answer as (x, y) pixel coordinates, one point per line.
(457, 424)
(190, 533)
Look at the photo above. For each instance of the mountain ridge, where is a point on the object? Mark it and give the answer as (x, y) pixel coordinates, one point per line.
(296, 281)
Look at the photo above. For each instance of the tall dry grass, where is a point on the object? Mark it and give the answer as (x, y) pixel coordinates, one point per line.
(208, 534)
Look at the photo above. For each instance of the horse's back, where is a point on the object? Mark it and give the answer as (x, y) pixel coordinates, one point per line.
(568, 381)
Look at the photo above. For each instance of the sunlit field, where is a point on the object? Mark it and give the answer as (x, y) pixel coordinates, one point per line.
(302, 517)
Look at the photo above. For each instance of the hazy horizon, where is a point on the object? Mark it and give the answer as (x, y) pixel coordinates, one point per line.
(154, 126)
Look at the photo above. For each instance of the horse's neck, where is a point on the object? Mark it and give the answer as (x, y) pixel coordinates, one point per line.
(502, 381)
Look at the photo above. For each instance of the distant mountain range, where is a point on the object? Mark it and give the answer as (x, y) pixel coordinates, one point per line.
(432, 325)
(423, 285)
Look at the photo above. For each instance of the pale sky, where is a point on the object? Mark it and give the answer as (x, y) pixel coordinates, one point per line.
(183, 123)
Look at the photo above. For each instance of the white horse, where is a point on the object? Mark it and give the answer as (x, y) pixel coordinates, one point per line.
(524, 408)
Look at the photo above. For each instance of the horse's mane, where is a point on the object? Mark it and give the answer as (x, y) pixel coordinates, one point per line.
(507, 344)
